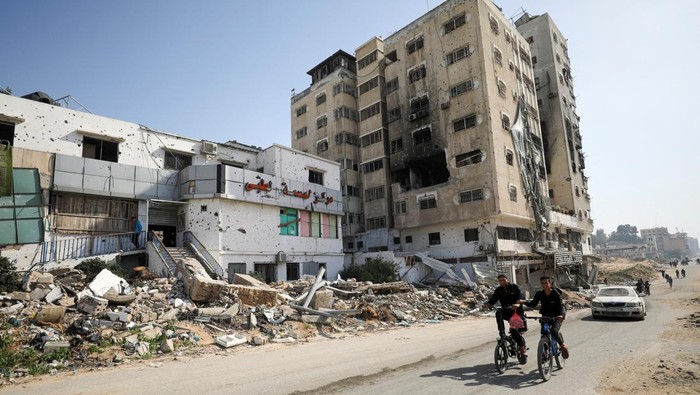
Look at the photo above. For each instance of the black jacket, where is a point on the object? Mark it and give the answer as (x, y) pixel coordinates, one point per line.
(552, 304)
(507, 296)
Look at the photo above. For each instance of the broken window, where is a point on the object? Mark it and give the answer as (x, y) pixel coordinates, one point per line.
(360, 245)
(472, 195)
(371, 138)
(347, 164)
(369, 85)
(471, 234)
(289, 220)
(427, 202)
(434, 238)
(551, 193)
(376, 223)
(494, 24)
(320, 99)
(465, 122)
(369, 111)
(409, 239)
(414, 45)
(502, 88)
(374, 194)
(396, 145)
(471, 157)
(321, 122)
(350, 190)
(497, 56)
(7, 132)
(419, 108)
(421, 136)
(509, 157)
(578, 192)
(392, 85)
(367, 60)
(513, 193)
(505, 121)
(315, 177)
(175, 161)
(100, 149)
(454, 23)
(301, 132)
(346, 112)
(322, 146)
(523, 234)
(301, 110)
(423, 172)
(343, 88)
(347, 138)
(394, 114)
(464, 86)
(372, 166)
(400, 207)
(416, 74)
(457, 55)
(505, 233)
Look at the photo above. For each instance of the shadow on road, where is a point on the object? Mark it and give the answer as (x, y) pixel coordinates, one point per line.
(486, 374)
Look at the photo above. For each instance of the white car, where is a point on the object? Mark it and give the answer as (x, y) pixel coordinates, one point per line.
(618, 301)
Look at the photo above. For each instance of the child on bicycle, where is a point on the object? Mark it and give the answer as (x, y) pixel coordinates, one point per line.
(552, 307)
(508, 294)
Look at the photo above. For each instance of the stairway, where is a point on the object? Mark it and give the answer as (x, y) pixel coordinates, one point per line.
(181, 253)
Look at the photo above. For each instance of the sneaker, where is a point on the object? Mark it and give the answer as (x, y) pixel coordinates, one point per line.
(565, 352)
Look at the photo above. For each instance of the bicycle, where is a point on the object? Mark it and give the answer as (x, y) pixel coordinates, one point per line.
(506, 347)
(548, 349)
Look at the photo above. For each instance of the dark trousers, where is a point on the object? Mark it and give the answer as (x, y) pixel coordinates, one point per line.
(554, 328)
(515, 333)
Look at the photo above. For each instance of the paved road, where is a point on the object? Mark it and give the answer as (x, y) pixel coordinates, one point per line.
(451, 357)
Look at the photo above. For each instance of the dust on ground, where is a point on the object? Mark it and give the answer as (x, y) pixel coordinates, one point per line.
(671, 365)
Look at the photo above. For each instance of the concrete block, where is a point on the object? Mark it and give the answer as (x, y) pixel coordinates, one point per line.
(167, 346)
(54, 295)
(50, 314)
(231, 340)
(198, 285)
(92, 304)
(152, 333)
(322, 299)
(55, 346)
(132, 339)
(39, 293)
(244, 279)
(253, 296)
(169, 315)
(106, 280)
(23, 296)
(260, 340)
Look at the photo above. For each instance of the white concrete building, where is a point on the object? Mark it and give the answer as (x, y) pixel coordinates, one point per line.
(79, 178)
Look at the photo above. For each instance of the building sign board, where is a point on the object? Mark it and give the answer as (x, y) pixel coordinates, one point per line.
(568, 258)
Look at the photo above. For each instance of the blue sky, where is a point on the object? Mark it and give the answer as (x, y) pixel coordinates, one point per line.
(224, 70)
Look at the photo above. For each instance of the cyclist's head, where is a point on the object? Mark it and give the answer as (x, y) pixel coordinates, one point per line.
(546, 282)
(502, 280)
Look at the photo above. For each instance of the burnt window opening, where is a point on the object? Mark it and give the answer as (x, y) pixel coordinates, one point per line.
(464, 123)
(427, 203)
(409, 239)
(400, 207)
(416, 74)
(522, 234)
(471, 234)
(427, 172)
(506, 233)
(434, 238)
(320, 99)
(422, 136)
(100, 149)
(509, 157)
(414, 45)
(419, 108)
(396, 145)
(7, 132)
(397, 240)
(513, 193)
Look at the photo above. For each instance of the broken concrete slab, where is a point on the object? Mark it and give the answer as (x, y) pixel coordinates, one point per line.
(322, 299)
(92, 304)
(39, 293)
(244, 279)
(106, 280)
(198, 285)
(54, 295)
(231, 340)
(316, 319)
(55, 346)
(167, 346)
(50, 315)
(152, 333)
(23, 296)
(253, 296)
(317, 285)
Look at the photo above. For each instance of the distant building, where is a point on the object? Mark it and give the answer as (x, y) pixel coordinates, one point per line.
(78, 178)
(693, 246)
(627, 250)
(428, 125)
(666, 243)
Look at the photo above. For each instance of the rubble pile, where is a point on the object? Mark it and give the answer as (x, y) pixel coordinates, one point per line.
(59, 321)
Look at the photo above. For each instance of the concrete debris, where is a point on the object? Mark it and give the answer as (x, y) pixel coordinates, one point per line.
(109, 321)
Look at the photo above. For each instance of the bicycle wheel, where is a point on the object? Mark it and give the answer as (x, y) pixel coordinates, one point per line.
(544, 359)
(561, 362)
(500, 357)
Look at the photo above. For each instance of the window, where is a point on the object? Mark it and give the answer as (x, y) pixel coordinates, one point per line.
(534, 60)
(419, 108)
(470, 158)
(343, 88)
(301, 132)
(369, 111)
(502, 89)
(494, 24)
(347, 138)
(454, 23)
(289, 222)
(394, 114)
(369, 85)
(551, 193)
(321, 122)
(434, 238)
(347, 164)
(350, 190)
(292, 271)
(315, 224)
(367, 60)
(458, 55)
(471, 234)
(346, 112)
(530, 40)
(175, 161)
(376, 223)
(396, 145)
(554, 36)
(416, 74)
(537, 82)
(100, 149)
(414, 45)
(315, 177)
(509, 157)
(426, 203)
(462, 87)
(505, 233)
(320, 99)
(374, 194)
(322, 146)
(557, 57)
(301, 110)
(522, 234)
(578, 192)
(497, 56)
(21, 213)
(7, 132)
(409, 239)
(465, 123)
(372, 166)
(397, 240)
(471, 195)
(421, 136)
(371, 138)
(392, 85)
(513, 193)
(360, 245)
(400, 207)
(505, 122)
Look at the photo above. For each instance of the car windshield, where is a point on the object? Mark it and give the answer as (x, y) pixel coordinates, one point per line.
(614, 292)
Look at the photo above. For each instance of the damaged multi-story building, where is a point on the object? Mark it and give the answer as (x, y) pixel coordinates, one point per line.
(71, 181)
(442, 149)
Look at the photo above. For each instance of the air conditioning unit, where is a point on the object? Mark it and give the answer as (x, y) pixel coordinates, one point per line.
(445, 105)
(208, 148)
(281, 257)
(412, 117)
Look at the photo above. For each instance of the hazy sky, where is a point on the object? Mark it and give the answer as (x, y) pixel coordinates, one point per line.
(224, 70)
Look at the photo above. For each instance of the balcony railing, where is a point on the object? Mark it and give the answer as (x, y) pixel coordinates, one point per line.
(87, 246)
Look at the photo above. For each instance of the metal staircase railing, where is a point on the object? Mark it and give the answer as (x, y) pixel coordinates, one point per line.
(87, 246)
(211, 264)
(163, 252)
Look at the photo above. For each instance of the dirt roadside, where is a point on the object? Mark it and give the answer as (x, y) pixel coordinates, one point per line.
(671, 365)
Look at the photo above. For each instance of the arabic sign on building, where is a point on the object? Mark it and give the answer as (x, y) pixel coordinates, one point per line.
(5, 170)
(568, 258)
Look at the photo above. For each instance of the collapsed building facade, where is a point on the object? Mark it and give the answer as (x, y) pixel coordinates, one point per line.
(443, 155)
(72, 181)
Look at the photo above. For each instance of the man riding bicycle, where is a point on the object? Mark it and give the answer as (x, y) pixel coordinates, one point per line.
(552, 307)
(509, 294)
